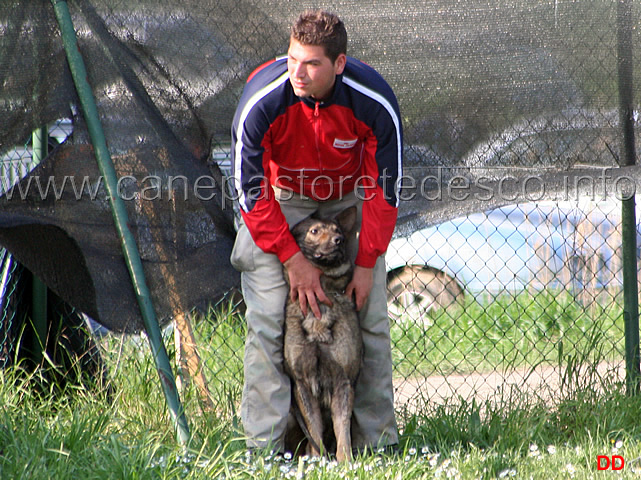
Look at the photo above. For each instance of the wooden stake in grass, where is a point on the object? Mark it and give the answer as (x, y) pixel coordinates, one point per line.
(189, 360)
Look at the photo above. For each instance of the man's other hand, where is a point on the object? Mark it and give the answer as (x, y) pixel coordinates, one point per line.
(361, 285)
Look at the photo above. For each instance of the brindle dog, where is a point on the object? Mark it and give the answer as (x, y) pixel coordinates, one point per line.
(323, 355)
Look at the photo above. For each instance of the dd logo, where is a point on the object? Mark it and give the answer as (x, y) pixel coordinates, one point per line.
(603, 462)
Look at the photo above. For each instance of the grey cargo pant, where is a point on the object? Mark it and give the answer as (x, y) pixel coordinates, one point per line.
(267, 390)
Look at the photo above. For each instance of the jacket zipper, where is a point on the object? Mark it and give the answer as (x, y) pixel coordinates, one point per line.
(317, 135)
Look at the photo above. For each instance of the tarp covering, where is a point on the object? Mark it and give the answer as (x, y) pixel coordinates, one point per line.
(525, 88)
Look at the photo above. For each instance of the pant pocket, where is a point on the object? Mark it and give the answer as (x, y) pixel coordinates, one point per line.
(242, 255)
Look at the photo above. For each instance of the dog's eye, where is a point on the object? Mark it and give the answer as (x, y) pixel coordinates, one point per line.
(314, 231)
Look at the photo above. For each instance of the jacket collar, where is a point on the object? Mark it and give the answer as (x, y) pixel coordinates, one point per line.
(338, 85)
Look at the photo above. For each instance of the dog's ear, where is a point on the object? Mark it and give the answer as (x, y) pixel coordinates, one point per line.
(347, 219)
(300, 227)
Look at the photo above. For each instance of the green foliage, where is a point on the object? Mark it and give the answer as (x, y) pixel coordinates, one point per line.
(127, 434)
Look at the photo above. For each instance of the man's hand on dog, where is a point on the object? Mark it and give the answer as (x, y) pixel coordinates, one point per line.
(361, 285)
(304, 284)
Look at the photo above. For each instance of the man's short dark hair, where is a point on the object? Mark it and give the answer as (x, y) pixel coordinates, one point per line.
(321, 28)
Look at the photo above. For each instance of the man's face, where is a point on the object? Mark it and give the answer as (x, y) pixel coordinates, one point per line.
(311, 72)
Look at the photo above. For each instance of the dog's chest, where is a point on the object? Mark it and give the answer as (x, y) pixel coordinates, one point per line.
(335, 280)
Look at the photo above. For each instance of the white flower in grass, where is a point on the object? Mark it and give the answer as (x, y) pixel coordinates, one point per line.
(551, 449)
(444, 468)
(570, 469)
(534, 451)
(453, 473)
(508, 472)
(293, 473)
(433, 460)
(412, 451)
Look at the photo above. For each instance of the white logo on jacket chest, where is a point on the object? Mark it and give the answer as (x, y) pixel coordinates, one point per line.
(340, 143)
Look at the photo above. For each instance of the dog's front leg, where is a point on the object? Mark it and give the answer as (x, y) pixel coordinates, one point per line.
(341, 407)
(309, 407)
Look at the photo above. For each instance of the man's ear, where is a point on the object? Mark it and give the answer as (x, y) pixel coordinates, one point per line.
(339, 64)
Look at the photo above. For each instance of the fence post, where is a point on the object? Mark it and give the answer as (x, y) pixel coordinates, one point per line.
(628, 213)
(119, 212)
(40, 146)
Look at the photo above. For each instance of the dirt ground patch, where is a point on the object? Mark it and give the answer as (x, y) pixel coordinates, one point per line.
(546, 382)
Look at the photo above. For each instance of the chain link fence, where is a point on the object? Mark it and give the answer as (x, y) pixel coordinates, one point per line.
(521, 300)
(15, 164)
(526, 298)
(8, 322)
(505, 273)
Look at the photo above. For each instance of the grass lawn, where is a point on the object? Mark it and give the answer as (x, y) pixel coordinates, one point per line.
(122, 431)
(509, 331)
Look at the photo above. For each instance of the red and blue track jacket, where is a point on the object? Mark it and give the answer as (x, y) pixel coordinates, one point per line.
(319, 149)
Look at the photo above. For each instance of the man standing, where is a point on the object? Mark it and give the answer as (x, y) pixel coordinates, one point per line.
(314, 132)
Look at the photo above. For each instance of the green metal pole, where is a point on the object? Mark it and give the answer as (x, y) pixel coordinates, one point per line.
(130, 250)
(628, 209)
(39, 144)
